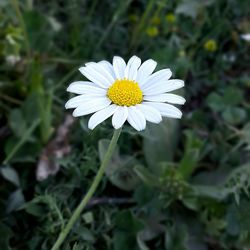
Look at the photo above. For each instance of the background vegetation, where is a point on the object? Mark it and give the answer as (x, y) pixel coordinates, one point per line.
(179, 185)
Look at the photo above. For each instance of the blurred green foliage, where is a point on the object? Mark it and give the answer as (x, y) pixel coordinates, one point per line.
(178, 185)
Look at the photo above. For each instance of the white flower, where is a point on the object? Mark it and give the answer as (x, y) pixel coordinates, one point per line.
(127, 92)
(245, 37)
(12, 60)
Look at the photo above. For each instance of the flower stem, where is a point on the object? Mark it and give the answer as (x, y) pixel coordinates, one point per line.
(142, 23)
(91, 191)
(16, 7)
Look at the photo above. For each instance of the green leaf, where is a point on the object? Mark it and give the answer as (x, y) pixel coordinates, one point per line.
(191, 155)
(76, 246)
(213, 192)
(234, 115)
(15, 201)
(34, 209)
(125, 238)
(55, 24)
(176, 238)
(145, 194)
(11, 175)
(17, 122)
(195, 229)
(211, 178)
(142, 245)
(28, 107)
(42, 99)
(124, 241)
(22, 149)
(147, 177)
(191, 202)
(120, 169)
(237, 218)
(188, 163)
(246, 135)
(6, 234)
(38, 30)
(165, 55)
(183, 65)
(215, 102)
(85, 234)
(159, 143)
(238, 182)
(233, 96)
(125, 220)
(88, 217)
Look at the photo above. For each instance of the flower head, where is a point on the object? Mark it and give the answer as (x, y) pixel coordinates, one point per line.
(210, 45)
(155, 20)
(127, 92)
(182, 53)
(170, 17)
(133, 18)
(152, 31)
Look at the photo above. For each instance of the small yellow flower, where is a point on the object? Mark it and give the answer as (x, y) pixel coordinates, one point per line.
(133, 18)
(171, 18)
(182, 53)
(155, 20)
(210, 45)
(152, 31)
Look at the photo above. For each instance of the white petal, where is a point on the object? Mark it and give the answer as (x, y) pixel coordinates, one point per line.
(119, 117)
(159, 76)
(92, 72)
(81, 99)
(245, 37)
(119, 67)
(91, 106)
(136, 119)
(171, 98)
(89, 63)
(165, 86)
(108, 66)
(151, 114)
(101, 116)
(132, 67)
(145, 70)
(83, 87)
(166, 110)
(102, 72)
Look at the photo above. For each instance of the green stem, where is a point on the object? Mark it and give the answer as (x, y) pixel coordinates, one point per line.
(15, 5)
(64, 79)
(22, 141)
(91, 191)
(142, 22)
(123, 6)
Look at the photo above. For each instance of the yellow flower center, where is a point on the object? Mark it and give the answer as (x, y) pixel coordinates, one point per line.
(125, 93)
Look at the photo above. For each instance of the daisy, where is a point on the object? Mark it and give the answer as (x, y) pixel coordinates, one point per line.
(128, 92)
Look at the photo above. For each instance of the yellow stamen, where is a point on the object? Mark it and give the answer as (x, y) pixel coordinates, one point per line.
(125, 93)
